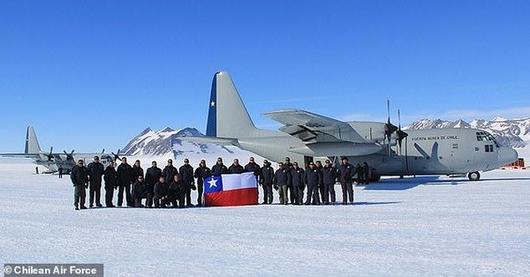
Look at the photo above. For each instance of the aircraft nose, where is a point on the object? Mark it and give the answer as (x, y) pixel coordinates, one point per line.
(507, 155)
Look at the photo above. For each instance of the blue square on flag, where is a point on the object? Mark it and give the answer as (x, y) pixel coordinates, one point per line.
(213, 184)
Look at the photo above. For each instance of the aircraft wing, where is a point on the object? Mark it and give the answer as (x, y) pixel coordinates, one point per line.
(313, 128)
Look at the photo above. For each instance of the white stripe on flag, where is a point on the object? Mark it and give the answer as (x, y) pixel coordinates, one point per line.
(245, 180)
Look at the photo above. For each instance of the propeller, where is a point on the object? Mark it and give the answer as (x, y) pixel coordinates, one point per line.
(103, 151)
(69, 156)
(389, 127)
(400, 134)
(50, 156)
(116, 155)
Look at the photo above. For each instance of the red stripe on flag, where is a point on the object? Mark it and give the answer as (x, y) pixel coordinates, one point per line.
(235, 197)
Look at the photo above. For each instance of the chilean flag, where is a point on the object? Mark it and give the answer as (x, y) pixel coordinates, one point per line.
(231, 190)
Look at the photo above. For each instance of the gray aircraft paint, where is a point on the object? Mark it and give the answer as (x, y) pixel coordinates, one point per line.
(430, 151)
(33, 151)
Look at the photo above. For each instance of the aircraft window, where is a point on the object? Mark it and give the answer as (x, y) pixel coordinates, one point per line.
(490, 137)
(476, 149)
(481, 136)
(489, 148)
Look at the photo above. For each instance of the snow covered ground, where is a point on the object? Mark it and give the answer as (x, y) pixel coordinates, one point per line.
(422, 226)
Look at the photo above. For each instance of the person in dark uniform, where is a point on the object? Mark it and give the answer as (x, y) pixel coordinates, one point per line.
(60, 172)
(160, 191)
(219, 168)
(282, 178)
(253, 167)
(236, 168)
(345, 173)
(138, 191)
(313, 179)
(366, 173)
(329, 177)
(79, 177)
(200, 173)
(169, 171)
(125, 178)
(297, 178)
(175, 192)
(321, 188)
(152, 175)
(359, 173)
(137, 170)
(188, 182)
(266, 181)
(110, 178)
(95, 172)
(292, 192)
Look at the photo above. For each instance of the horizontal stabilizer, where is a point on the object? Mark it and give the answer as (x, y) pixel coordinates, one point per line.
(213, 140)
(19, 155)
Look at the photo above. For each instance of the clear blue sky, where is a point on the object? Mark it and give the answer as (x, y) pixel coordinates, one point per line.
(92, 74)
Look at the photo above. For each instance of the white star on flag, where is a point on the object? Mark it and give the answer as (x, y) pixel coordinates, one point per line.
(213, 183)
(212, 104)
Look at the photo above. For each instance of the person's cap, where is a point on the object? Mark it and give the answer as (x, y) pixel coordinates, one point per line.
(344, 158)
(186, 161)
(251, 159)
(96, 158)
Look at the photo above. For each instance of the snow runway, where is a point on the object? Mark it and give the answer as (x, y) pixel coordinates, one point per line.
(422, 226)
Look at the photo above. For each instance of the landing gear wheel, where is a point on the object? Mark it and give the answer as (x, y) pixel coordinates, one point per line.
(473, 176)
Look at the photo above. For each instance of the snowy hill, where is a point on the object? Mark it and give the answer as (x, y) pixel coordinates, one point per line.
(510, 132)
(167, 143)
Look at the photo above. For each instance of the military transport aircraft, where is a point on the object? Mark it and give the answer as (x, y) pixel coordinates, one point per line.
(54, 161)
(388, 149)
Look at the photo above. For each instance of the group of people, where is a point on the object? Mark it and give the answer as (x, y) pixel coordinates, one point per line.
(171, 187)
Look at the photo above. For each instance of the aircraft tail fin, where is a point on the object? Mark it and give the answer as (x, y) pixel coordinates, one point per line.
(227, 115)
(32, 144)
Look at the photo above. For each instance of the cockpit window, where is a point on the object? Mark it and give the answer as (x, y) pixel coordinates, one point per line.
(482, 136)
(485, 136)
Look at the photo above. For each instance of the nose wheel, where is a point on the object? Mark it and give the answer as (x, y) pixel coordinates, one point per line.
(473, 176)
